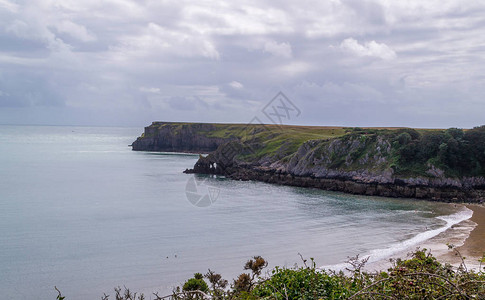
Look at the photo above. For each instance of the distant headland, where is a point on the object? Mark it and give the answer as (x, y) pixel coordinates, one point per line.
(435, 164)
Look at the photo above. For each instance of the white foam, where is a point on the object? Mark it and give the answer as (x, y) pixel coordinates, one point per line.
(380, 254)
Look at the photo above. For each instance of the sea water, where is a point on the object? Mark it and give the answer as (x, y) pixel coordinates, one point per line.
(79, 210)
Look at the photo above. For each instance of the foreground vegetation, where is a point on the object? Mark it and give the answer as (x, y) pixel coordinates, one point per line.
(420, 276)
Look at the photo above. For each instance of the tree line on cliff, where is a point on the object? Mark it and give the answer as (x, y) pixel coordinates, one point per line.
(457, 152)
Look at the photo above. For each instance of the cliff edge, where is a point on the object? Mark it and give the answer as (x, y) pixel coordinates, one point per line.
(180, 137)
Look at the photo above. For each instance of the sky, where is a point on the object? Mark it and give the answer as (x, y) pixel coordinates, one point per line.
(337, 62)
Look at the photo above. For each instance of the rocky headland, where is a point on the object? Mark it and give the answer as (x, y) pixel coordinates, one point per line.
(179, 137)
(443, 165)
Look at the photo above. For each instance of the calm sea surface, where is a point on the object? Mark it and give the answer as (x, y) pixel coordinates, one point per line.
(79, 210)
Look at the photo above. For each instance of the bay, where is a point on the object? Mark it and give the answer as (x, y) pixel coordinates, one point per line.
(79, 210)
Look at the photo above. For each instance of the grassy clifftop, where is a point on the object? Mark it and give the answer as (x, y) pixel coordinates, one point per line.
(246, 131)
(173, 136)
(405, 152)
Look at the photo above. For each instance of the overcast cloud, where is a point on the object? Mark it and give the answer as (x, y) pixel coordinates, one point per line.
(342, 62)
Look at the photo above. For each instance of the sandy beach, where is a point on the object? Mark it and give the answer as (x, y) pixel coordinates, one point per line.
(474, 245)
(468, 237)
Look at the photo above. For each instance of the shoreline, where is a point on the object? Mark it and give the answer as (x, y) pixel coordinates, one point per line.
(473, 248)
(474, 245)
(468, 238)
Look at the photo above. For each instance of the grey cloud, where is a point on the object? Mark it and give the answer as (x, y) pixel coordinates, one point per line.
(405, 63)
(183, 103)
(25, 90)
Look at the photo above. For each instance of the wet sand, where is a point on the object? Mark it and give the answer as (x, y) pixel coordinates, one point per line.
(468, 237)
(474, 246)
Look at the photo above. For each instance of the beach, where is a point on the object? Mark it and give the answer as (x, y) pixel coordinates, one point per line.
(474, 245)
(467, 238)
(473, 248)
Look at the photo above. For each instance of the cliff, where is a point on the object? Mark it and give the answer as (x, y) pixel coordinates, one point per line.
(444, 165)
(180, 137)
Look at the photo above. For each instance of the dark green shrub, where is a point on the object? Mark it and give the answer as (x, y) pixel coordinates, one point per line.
(302, 283)
(404, 138)
(196, 283)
